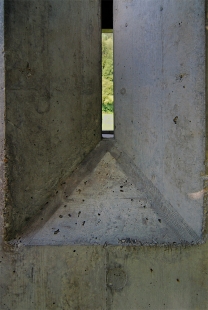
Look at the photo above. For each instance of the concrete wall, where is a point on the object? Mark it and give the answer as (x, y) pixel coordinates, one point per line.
(111, 278)
(99, 277)
(160, 97)
(53, 98)
(2, 125)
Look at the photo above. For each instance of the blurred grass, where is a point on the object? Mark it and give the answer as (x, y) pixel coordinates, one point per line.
(107, 73)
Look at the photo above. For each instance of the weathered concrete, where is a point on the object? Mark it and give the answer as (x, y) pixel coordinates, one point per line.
(101, 277)
(159, 278)
(74, 277)
(105, 201)
(105, 206)
(53, 98)
(160, 97)
(2, 123)
(53, 278)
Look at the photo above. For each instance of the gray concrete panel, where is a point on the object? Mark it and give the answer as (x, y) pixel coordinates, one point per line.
(2, 123)
(158, 278)
(100, 277)
(53, 278)
(159, 79)
(97, 277)
(53, 98)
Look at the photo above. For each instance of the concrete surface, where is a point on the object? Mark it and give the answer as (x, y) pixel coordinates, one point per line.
(74, 277)
(53, 98)
(100, 277)
(106, 201)
(2, 125)
(159, 69)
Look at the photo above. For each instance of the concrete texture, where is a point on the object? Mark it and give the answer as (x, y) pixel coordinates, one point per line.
(159, 67)
(74, 277)
(159, 278)
(53, 278)
(2, 124)
(53, 98)
(104, 208)
(102, 277)
(105, 201)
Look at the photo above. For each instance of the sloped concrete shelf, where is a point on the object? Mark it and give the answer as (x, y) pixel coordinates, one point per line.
(108, 201)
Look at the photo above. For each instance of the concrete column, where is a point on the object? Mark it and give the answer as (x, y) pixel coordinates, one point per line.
(160, 97)
(53, 98)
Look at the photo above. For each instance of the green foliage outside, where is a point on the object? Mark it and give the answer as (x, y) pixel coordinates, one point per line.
(107, 73)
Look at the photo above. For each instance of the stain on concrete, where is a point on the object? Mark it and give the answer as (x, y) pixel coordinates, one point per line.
(123, 91)
(116, 279)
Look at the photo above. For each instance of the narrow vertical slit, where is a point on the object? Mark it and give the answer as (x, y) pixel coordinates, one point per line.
(107, 85)
(107, 70)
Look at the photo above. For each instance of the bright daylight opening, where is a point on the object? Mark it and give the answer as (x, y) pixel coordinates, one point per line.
(107, 85)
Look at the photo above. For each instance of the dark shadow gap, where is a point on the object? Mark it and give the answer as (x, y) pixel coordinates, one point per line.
(107, 14)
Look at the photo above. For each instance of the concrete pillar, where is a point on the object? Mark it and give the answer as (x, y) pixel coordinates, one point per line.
(53, 99)
(160, 98)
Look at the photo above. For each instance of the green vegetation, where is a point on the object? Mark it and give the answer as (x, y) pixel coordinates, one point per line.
(107, 73)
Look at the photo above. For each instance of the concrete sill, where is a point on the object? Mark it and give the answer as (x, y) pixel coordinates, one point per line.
(108, 201)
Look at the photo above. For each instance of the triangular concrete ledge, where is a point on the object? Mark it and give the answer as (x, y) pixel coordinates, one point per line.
(108, 201)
